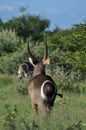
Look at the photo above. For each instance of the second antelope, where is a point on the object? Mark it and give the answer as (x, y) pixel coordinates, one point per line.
(42, 89)
(24, 69)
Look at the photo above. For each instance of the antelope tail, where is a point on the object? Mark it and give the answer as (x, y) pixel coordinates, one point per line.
(60, 95)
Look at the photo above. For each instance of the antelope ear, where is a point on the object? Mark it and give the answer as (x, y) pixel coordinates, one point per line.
(46, 61)
(31, 61)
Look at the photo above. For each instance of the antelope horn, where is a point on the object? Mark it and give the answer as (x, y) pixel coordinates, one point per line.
(31, 57)
(45, 52)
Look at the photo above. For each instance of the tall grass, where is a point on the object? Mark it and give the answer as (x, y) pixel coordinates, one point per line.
(16, 111)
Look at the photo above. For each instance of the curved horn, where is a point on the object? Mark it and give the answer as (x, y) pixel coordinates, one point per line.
(45, 52)
(31, 57)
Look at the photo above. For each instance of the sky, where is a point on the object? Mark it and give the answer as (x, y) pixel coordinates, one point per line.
(61, 13)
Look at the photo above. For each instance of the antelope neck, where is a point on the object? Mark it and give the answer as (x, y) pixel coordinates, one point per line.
(38, 73)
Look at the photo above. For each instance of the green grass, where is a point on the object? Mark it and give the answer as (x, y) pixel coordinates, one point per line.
(66, 115)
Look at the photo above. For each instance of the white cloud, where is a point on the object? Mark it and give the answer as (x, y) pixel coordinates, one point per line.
(54, 10)
(6, 8)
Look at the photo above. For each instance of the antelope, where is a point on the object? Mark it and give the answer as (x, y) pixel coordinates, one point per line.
(42, 88)
(24, 69)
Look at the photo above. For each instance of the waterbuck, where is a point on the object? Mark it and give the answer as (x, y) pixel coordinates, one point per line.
(42, 89)
(24, 69)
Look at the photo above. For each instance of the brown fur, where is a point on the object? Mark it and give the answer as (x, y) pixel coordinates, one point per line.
(42, 89)
(24, 69)
(35, 94)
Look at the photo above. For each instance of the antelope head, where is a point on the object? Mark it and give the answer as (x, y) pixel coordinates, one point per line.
(42, 89)
(39, 67)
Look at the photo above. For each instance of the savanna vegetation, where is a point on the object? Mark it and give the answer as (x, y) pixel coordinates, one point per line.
(67, 49)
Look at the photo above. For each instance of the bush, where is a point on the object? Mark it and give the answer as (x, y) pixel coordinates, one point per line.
(9, 42)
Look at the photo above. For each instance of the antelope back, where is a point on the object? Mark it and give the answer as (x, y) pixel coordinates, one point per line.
(45, 85)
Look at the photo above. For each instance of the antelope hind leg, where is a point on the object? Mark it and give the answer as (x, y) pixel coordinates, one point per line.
(35, 108)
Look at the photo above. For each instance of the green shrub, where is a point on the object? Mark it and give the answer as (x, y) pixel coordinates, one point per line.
(9, 42)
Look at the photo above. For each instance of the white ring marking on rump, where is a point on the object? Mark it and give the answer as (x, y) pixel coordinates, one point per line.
(42, 93)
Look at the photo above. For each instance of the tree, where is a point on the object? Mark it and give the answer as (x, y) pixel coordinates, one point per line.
(1, 24)
(28, 25)
(69, 48)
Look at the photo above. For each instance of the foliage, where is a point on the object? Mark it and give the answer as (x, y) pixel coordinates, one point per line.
(12, 51)
(77, 126)
(28, 25)
(22, 86)
(9, 42)
(16, 112)
(9, 120)
(1, 24)
(68, 49)
(10, 63)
